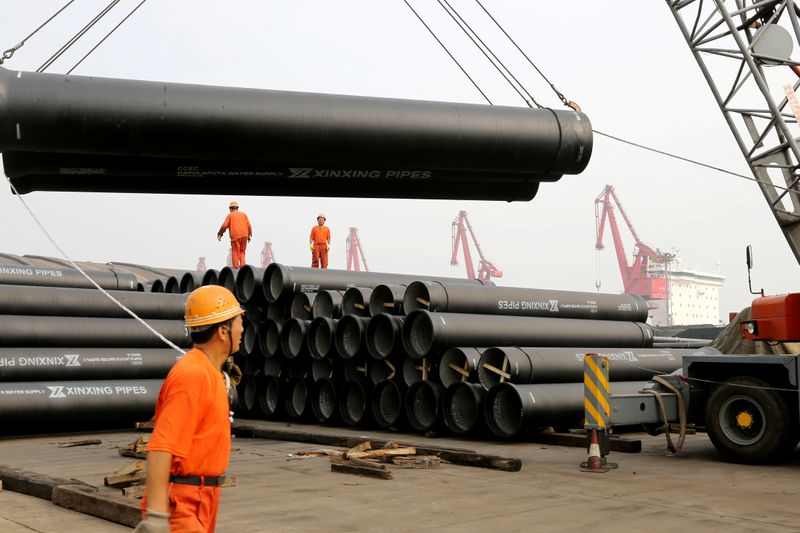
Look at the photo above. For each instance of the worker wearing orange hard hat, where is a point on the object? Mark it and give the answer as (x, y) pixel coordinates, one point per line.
(191, 442)
(240, 231)
(320, 243)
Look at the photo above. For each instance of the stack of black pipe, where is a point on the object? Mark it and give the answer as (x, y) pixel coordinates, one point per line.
(71, 358)
(422, 353)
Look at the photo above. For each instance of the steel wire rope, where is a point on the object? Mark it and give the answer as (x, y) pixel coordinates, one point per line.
(93, 282)
(448, 52)
(77, 36)
(8, 54)
(494, 60)
(95, 47)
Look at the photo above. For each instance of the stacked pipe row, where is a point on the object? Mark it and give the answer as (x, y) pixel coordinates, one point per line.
(427, 353)
(71, 358)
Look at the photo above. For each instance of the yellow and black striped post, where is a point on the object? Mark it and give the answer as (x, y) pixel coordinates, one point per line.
(596, 406)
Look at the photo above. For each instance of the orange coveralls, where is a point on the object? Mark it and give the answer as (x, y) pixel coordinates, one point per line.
(238, 226)
(192, 424)
(320, 236)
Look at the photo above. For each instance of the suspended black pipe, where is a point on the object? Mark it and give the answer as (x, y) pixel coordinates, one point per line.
(321, 337)
(352, 401)
(384, 336)
(280, 280)
(301, 304)
(296, 399)
(56, 405)
(65, 277)
(350, 336)
(462, 407)
(685, 345)
(356, 301)
(387, 404)
(425, 333)
(173, 285)
(157, 286)
(323, 400)
(406, 139)
(328, 304)
(62, 301)
(414, 370)
(459, 298)
(46, 364)
(514, 409)
(459, 364)
(227, 278)
(423, 404)
(249, 288)
(210, 277)
(387, 299)
(565, 365)
(294, 341)
(190, 281)
(42, 331)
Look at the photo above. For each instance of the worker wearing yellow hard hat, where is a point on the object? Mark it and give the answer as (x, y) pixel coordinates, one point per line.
(240, 230)
(320, 243)
(190, 447)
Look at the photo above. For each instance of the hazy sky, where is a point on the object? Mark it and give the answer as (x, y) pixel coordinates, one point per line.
(627, 66)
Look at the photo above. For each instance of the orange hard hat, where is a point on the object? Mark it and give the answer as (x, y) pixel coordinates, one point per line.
(322, 215)
(233, 204)
(210, 305)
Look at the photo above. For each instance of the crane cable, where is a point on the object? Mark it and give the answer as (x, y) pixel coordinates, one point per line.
(8, 54)
(77, 36)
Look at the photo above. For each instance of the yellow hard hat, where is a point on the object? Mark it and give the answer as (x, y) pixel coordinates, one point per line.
(210, 305)
(233, 204)
(322, 215)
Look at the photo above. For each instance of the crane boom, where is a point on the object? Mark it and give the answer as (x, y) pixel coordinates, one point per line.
(355, 252)
(267, 256)
(738, 46)
(460, 228)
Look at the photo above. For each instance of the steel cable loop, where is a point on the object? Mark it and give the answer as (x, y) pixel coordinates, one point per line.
(93, 282)
(8, 54)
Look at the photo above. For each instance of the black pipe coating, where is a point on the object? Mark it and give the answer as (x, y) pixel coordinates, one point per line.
(423, 404)
(565, 365)
(356, 369)
(352, 401)
(384, 335)
(32, 406)
(356, 301)
(321, 337)
(66, 277)
(425, 333)
(281, 280)
(462, 407)
(249, 343)
(227, 278)
(248, 287)
(301, 305)
(389, 368)
(210, 277)
(363, 139)
(328, 304)
(459, 364)
(350, 336)
(190, 281)
(157, 286)
(173, 285)
(491, 300)
(47, 364)
(414, 370)
(387, 299)
(64, 301)
(323, 400)
(322, 368)
(294, 338)
(273, 366)
(514, 409)
(387, 404)
(296, 399)
(270, 338)
(269, 398)
(59, 332)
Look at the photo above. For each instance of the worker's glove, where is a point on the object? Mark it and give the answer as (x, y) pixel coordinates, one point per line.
(328, 249)
(234, 372)
(219, 237)
(311, 247)
(154, 523)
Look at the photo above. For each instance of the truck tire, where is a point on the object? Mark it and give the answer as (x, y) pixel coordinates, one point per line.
(751, 424)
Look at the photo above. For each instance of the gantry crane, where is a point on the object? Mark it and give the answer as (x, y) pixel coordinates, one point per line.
(267, 257)
(354, 252)
(636, 278)
(487, 270)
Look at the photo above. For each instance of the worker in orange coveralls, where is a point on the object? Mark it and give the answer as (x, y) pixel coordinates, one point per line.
(238, 226)
(320, 243)
(191, 442)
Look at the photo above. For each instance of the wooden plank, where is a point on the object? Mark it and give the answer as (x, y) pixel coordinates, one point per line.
(73, 443)
(362, 447)
(355, 461)
(506, 464)
(145, 426)
(127, 475)
(30, 483)
(361, 471)
(134, 491)
(417, 461)
(88, 500)
(128, 452)
(380, 452)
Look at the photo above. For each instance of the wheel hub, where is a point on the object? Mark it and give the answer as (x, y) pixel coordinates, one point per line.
(744, 419)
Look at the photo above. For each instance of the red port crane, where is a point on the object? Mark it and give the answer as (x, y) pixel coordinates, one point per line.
(267, 257)
(201, 265)
(635, 277)
(487, 270)
(354, 252)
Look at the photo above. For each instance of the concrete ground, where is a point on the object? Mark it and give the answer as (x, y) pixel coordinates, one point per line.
(650, 491)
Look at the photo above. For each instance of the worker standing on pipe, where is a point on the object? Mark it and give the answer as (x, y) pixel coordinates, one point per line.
(240, 231)
(191, 443)
(320, 241)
